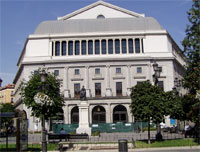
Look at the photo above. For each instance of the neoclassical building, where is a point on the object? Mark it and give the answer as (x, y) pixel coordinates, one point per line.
(106, 49)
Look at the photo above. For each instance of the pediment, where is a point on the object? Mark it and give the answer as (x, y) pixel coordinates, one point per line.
(102, 9)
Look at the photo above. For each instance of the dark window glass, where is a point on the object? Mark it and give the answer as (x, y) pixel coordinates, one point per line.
(161, 84)
(98, 115)
(103, 46)
(97, 47)
(90, 47)
(97, 71)
(118, 70)
(139, 69)
(100, 17)
(76, 71)
(52, 48)
(57, 53)
(138, 82)
(64, 48)
(110, 46)
(117, 47)
(130, 45)
(137, 45)
(97, 89)
(77, 90)
(11, 100)
(142, 46)
(36, 72)
(120, 114)
(75, 115)
(119, 88)
(77, 47)
(83, 47)
(56, 72)
(123, 45)
(70, 48)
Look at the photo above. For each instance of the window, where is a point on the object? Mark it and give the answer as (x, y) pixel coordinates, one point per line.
(130, 45)
(117, 47)
(103, 48)
(138, 82)
(97, 47)
(77, 90)
(70, 48)
(98, 114)
(90, 47)
(110, 46)
(142, 46)
(11, 100)
(123, 46)
(97, 89)
(83, 47)
(118, 70)
(56, 72)
(77, 47)
(64, 46)
(137, 45)
(161, 84)
(52, 48)
(139, 69)
(119, 88)
(100, 17)
(57, 53)
(76, 71)
(36, 72)
(120, 114)
(75, 115)
(97, 71)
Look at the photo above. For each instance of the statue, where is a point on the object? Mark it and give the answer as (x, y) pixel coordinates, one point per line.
(83, 94)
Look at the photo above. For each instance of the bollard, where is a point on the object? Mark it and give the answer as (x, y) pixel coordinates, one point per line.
(122, 145)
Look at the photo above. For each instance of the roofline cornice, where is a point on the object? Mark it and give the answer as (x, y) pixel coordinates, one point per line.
(100, 3)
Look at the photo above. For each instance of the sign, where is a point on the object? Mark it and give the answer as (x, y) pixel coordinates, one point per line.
(172, 121)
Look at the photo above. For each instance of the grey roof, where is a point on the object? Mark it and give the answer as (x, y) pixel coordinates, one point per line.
(76, 26)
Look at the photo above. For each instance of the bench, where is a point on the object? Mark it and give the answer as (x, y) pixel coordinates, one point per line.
(67, 137)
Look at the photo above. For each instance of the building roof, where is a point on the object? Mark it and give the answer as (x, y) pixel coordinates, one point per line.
(98, 25)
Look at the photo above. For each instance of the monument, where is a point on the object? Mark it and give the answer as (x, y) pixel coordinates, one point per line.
(83, 114)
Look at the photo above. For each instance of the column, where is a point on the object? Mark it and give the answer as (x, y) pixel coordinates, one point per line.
(100, 46)
(60, 48)
(127, 46)
(128, 80)
(80, 47)
(108, 89)
(50, 49)
(87, 82)
(66, 114)
(65, 83)
(120, 45)
(140, 45)
(108, 114)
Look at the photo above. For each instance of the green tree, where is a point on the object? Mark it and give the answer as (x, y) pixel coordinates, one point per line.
(43, 99)
(148, 103)
(6, 107)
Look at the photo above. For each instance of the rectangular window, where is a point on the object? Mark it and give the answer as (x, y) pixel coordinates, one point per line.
(110, 46)
(70, 48)
(139, 69)
(83, 47)
(90, 47)
(77, 90)
(52, 48)
(57, 53)
(138, 82)
(64, 48)
(119, 88)
(124, 46)
(11, 100)
(118, 71)
(77, 47)
(117, 47)
(97, 47)
(130, 45)
(137, 45)
(97, 89)
(76, 71)
(97, 71)
(56, 72)
(103, 46)
(161, 84)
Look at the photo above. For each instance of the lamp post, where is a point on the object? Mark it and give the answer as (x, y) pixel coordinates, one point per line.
(156, 75)
(43, 78)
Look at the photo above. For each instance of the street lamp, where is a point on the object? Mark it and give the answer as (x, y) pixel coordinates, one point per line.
(43, 78)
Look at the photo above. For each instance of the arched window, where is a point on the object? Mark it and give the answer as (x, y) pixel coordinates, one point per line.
(75, 115)
(120, 114)
(100, 16)
(98, 115)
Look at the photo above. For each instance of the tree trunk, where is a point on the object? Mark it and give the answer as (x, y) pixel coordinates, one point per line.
(44, 143)
(158, 127)
(149, 140)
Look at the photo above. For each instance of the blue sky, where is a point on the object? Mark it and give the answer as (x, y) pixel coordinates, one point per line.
(19, 18)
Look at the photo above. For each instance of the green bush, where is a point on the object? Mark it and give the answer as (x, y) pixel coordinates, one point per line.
(96, 133)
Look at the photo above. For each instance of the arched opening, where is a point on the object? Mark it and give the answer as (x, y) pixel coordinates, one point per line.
(58, 118)
(100, 16)
(120, 114)
(75, 115)
(98, 114)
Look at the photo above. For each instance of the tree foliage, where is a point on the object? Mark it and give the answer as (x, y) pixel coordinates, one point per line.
(6, 107)
(51, 89)
(191, 44)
